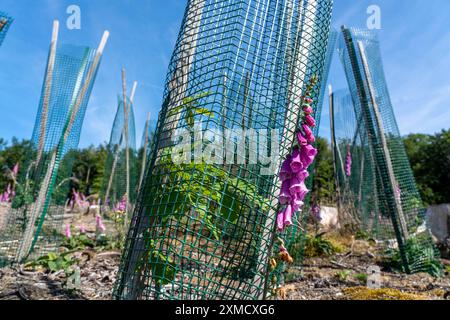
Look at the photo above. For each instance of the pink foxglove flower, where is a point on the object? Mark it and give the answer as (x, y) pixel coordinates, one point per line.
(308, 100)
(299, 191)
(288, 216)
(302, 175)
(308, 153)
(99, 223)
(296, 203)
(280, 221)
(82, 228)
(308, 133)
(296, 186)
(15, 170)
(308, 110)
(122, 205)
(296, 162)
(302, 141)
(285, 196)
(315, 212)
(348, 163)
(286, 171)
(68, 232)
(309, 121)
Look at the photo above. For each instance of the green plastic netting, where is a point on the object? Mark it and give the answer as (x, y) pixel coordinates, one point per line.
(296, 236)
(121, 168)
(377, 187)
(204, 229)
(34, 222)
(5, 23)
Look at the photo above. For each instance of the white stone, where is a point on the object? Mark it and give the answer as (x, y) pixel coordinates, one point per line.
(438, 220)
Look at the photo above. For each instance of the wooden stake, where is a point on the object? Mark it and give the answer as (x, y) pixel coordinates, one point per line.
(144, 154)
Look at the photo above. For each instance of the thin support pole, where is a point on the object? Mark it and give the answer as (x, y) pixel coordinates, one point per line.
(47, 91)
(126, 112)
(144, 152)
(333, 147)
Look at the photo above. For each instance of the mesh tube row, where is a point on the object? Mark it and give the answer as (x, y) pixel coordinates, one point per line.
(204, 230)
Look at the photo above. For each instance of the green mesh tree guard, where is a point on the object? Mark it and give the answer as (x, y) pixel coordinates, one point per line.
(204, 229)
(117, 168)
(374, 174)
(34, 223)
(5, 23)
(296, 236)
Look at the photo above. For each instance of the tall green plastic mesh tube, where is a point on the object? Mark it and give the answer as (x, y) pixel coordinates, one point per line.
(374, 173)
(5, 23)
(203, 229)
(115, 179)
(35, 221)
(296, 236)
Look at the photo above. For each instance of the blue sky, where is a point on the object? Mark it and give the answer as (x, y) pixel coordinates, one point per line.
(414, 35)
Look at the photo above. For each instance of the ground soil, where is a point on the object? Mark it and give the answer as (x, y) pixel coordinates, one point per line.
(339, 277)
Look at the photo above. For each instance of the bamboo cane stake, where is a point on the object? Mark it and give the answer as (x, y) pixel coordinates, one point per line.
(144, 155)
(47, 91)
(127, 151)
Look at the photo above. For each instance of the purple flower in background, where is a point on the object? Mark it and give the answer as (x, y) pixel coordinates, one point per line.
(285, 196)
(122, 206)
(15, 170)
(296, 162)
(99, 223)
(68, 232)
(348, 163)
(315, 212)
(82, 228)
(308, 133)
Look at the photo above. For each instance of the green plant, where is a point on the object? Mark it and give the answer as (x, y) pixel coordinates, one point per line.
(317, 246)
(362, 235)
(191, 108)
(53, 262)
(420, 256)
(362, 277)
(78, 242)
(342, 275)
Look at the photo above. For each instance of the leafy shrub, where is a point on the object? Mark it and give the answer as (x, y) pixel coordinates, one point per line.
(362, 277)
(342, 275)
(317, 246)
(53, 262)
(78, 242)
(421, 257)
